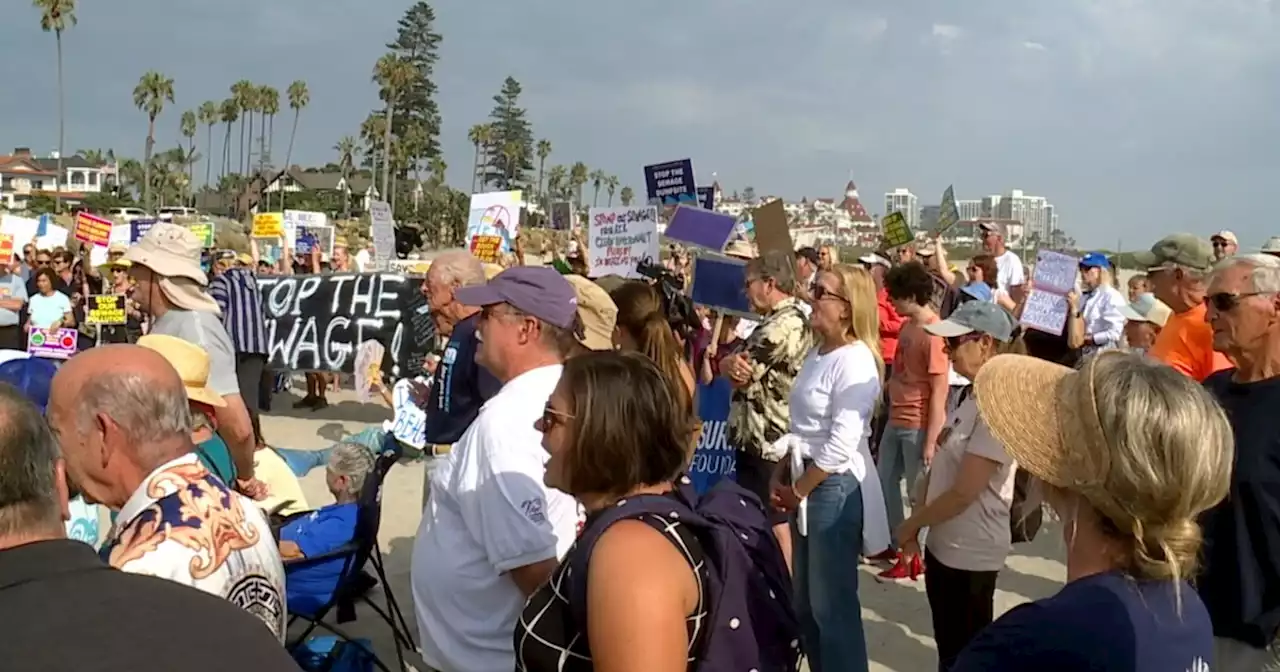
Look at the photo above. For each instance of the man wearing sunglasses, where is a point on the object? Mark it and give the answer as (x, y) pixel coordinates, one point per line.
(1224, 244)
(1177, 267)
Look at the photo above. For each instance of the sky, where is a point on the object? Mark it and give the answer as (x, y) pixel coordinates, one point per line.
(1136, 118)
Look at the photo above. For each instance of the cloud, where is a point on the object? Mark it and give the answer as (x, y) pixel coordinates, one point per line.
(945, 32)
(1033, 46)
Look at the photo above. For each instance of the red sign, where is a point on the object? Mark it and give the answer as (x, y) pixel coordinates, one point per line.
(93, 230)
(6, 249)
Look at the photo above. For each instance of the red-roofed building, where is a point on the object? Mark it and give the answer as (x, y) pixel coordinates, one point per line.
(853, 206)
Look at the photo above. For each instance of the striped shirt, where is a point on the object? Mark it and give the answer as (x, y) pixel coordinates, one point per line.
(236, 292)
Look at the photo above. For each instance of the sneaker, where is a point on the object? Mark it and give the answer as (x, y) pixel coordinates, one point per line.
(905, 569)
(306, 402)
(887, 555)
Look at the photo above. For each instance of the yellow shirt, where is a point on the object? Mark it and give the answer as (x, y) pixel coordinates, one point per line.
(1186, 344)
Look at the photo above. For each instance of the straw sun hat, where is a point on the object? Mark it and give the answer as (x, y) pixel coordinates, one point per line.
(190, 361)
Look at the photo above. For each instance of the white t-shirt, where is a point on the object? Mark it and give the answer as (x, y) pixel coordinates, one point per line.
(207, 331)
(977, 540)
(1009, 271)
(45, 310)
(832, 401)
(488, 513)
(409, 422)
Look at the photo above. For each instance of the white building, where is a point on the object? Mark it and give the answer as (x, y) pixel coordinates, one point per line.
(902, 200)
(23, 175)
(1035, 212)
(969, 208)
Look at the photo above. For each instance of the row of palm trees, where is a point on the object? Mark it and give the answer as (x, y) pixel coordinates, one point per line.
(558, 183)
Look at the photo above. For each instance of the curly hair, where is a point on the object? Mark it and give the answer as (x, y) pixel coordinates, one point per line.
(910, 282)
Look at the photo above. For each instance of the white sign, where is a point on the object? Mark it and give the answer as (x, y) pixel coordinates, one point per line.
(1054, 277)
(383, 233)
(1055, 272)
(296, 218)
(620, 238)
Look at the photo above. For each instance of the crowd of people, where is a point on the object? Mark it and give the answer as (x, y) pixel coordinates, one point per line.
(893, 410)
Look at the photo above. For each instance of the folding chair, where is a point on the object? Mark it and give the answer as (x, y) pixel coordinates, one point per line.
(354, 583)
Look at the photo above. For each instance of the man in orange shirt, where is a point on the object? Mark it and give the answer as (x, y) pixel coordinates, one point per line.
(1176, 268)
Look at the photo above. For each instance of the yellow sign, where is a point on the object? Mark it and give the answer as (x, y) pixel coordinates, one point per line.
(268, 225)
(204, 231)
(106, 309)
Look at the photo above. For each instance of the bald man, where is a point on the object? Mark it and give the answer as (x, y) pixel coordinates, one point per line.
(121, 416)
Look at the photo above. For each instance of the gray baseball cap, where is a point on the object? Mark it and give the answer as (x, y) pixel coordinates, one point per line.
(980, 316)
(537, 290)
(1183, 249)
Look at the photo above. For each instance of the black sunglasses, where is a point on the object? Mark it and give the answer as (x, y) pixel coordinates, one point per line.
(1225, 302)
(954, 342)
(820, 293)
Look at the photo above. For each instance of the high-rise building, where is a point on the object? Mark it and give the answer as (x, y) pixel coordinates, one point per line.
(969, 209)
(1034, 212)
(902, 200)
(991, 206)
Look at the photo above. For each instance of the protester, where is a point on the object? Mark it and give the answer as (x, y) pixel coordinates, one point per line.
(169, 286)
(1176, 268)
(311, 585)
(642, 327)
(762, 374)
(1146, 317)
(48, 308)
(1010, 276)
(1100, 312)
(828, 256)
(1224, 245)
(968, 491)
(808, 260)
(597, 312)
(1272, 246)
(13, 301)
(832, 401)
(1138, 285)
(117, 282)
(492, 532)
(121, 414)
(1240, 581)
(918, 392)
(647, 589)
(236, 290)
(890, 327)
(1129, 453)
(982, 272)
(104, 619)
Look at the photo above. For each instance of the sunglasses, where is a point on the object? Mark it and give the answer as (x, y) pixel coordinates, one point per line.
(820, 293)
(1220, 243)
(42, 262)
(953, 343)
(551, 418)
(1225, 302)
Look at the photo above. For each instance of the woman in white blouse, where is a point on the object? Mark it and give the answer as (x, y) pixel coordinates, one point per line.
(1101, 306)
(832, 402)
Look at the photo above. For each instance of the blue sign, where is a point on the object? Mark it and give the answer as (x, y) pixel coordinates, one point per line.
(707, 197)
(671, 183)
(305, 242)
(714, 458)
(42, 229)
(701, 228)
(721, 284)
(139, 228)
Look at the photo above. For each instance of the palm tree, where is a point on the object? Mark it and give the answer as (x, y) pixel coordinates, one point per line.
(94, 157)
(207, 115)
(577, 178)
(477, 137)
(57, 16)
(597, 178)
(543, 151)
(437, 167)
(511, 152)
(611, 185)
(188, 127)
(393, 74)
(347, 148)
(228, 113)
(626, 195)
(299, 97)
(556, 178)
(240, 93)
(149, 96)
(269, 102)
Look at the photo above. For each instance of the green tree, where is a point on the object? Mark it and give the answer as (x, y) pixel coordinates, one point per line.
(479, 135)
(242, 93)
(150, 95)
(188, 126)
(348, 147)
(510, 127)
(57, 16)
(597, 178)
(229, 114)
(269, 102)
(393, 75)
(417, 43)
(208, 117)
(627, 195)
(557, 179)
(544, 150)
(577, 178)
(611, 185)
(299, 98)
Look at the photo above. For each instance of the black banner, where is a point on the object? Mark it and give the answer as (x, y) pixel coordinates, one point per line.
(316, 322)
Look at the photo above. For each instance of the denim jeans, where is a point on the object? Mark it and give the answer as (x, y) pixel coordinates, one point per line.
(826, 577)
(901, 454)
(303, 461)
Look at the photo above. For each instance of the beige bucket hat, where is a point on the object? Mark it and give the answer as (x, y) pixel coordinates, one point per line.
(172, 252)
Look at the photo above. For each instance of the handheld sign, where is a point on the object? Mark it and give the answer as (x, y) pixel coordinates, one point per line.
(620, 238)
(139, 228)
(382, 231)
(51, 343)
(1046, 308)
(949, 212)
(204, 231)
(268, 225)
(106, 310)
(771, 230)
(93, 230)
(714, 457)
(671, 183)
(368, 367)
(493, 224)
(562, 215)
(6, 249)
(720, 283)
(701, 228)
(707, 198)
(894, 230)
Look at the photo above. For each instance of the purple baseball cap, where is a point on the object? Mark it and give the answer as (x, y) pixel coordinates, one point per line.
(539, 291)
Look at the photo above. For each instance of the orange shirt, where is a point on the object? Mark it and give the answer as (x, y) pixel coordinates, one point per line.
(1186, 344)
(920, 355)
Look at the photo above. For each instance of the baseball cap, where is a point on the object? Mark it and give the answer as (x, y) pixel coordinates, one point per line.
(874, 260)
(1272, 245)
(1183, 249)
(980, 316)
(597, 313)
(1094, 260)
(1226, 235)
(992, 227)
(979, 290)
(537, 290)
(1147, 308)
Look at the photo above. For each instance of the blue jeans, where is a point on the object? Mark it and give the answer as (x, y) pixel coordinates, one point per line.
(901, 454)
(303, 461)
(826, 577)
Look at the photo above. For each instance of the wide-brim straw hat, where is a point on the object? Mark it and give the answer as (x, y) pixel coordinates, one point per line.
(190, 361)
(1046, 417)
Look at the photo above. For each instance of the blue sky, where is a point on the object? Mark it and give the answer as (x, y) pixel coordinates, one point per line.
(1135, 117)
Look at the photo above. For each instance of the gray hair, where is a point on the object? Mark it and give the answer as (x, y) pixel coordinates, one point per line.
(148, 411)
(353, 461)
(457, 267)
(1265, 277)
(28, 453)
(778, 266)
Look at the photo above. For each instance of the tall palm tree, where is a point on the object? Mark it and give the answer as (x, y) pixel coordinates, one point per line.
(626, 195)
(511, 152)
(269, 102)
(393, 74)
(94, 157)
(251, 106)
(347, 148)
(240, 93)
(543, 151)
(556, 178)
(611, 185)
(487, 135)
(188, 127)
(597, 178)
(228, 113)
(208, 117)
(57, 16)
(577, 178)
(476, 136)
(150, 95)
(299, 97)
(437, 167)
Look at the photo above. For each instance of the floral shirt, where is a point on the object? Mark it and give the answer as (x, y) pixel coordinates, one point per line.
(185, 525)
(760, 412)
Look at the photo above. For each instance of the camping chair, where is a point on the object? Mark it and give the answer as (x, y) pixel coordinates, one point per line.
(354, 583)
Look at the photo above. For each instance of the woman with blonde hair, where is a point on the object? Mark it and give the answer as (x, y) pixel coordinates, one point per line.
(1101, 312)
(642, 327)
(843, 515)
(1130, 453)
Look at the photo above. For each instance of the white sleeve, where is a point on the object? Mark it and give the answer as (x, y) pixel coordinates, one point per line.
(1017, 274)
(1112, 320)
(509, 514)
(854, 391)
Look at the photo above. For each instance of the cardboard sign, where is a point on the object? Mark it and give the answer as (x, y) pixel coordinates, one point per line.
(487, 249)
(894, 231)
(368, 368)
(204, 231)
(707, 198)
(268, 225)
(52, 343)
(720, 283)
(701, 228)
(562, 215)
(1046, 308)
(771, 230)
(139, 228)
(714, 458)
(382, 231)
(296, 219)
(106, 310)
(671, 183)
(93, 230)
(6, 249)
(494, 215)
(620, 238)
(949, 212)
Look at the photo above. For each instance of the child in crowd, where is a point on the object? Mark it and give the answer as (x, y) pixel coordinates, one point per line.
(1146, 316)
(1138, 285)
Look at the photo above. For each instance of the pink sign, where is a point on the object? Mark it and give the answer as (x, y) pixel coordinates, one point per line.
(51, 344)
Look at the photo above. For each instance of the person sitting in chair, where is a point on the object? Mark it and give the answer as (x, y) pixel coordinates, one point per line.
(311, 585)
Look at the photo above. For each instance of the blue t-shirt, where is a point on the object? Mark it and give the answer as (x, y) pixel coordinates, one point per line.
(1101, 623)
(461, 386)
(310, 586)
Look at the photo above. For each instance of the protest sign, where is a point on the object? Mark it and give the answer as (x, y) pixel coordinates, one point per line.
(204, 231)
(298, 219)
(268, 225)
(44, 221)
(121, 234)
(562, 215)
(315, 322)
(948, 212)
(707, 198)
(1055, 276)
(894, 231)
(92, 229)
(701, 228)
(671, 183)
(368, 368)
(714, 457)
(23, 229)
(382, 231)
(55, 236)
(720, 283)
(620, 238)
(51, 343)
(6, 249)
(139, 228)
(493, 224)
(771, 230)
(106, 310)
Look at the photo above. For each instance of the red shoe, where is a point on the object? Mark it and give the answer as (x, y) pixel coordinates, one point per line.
(887, 555)
(905, 569)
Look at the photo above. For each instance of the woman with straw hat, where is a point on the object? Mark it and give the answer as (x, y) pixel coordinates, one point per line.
(1129, 453)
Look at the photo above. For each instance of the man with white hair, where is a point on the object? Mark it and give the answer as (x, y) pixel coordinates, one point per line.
(121, 415)
(492, 532)
(1225, 244)
(1176, 269)
(1240, 579)
(1011, 278)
